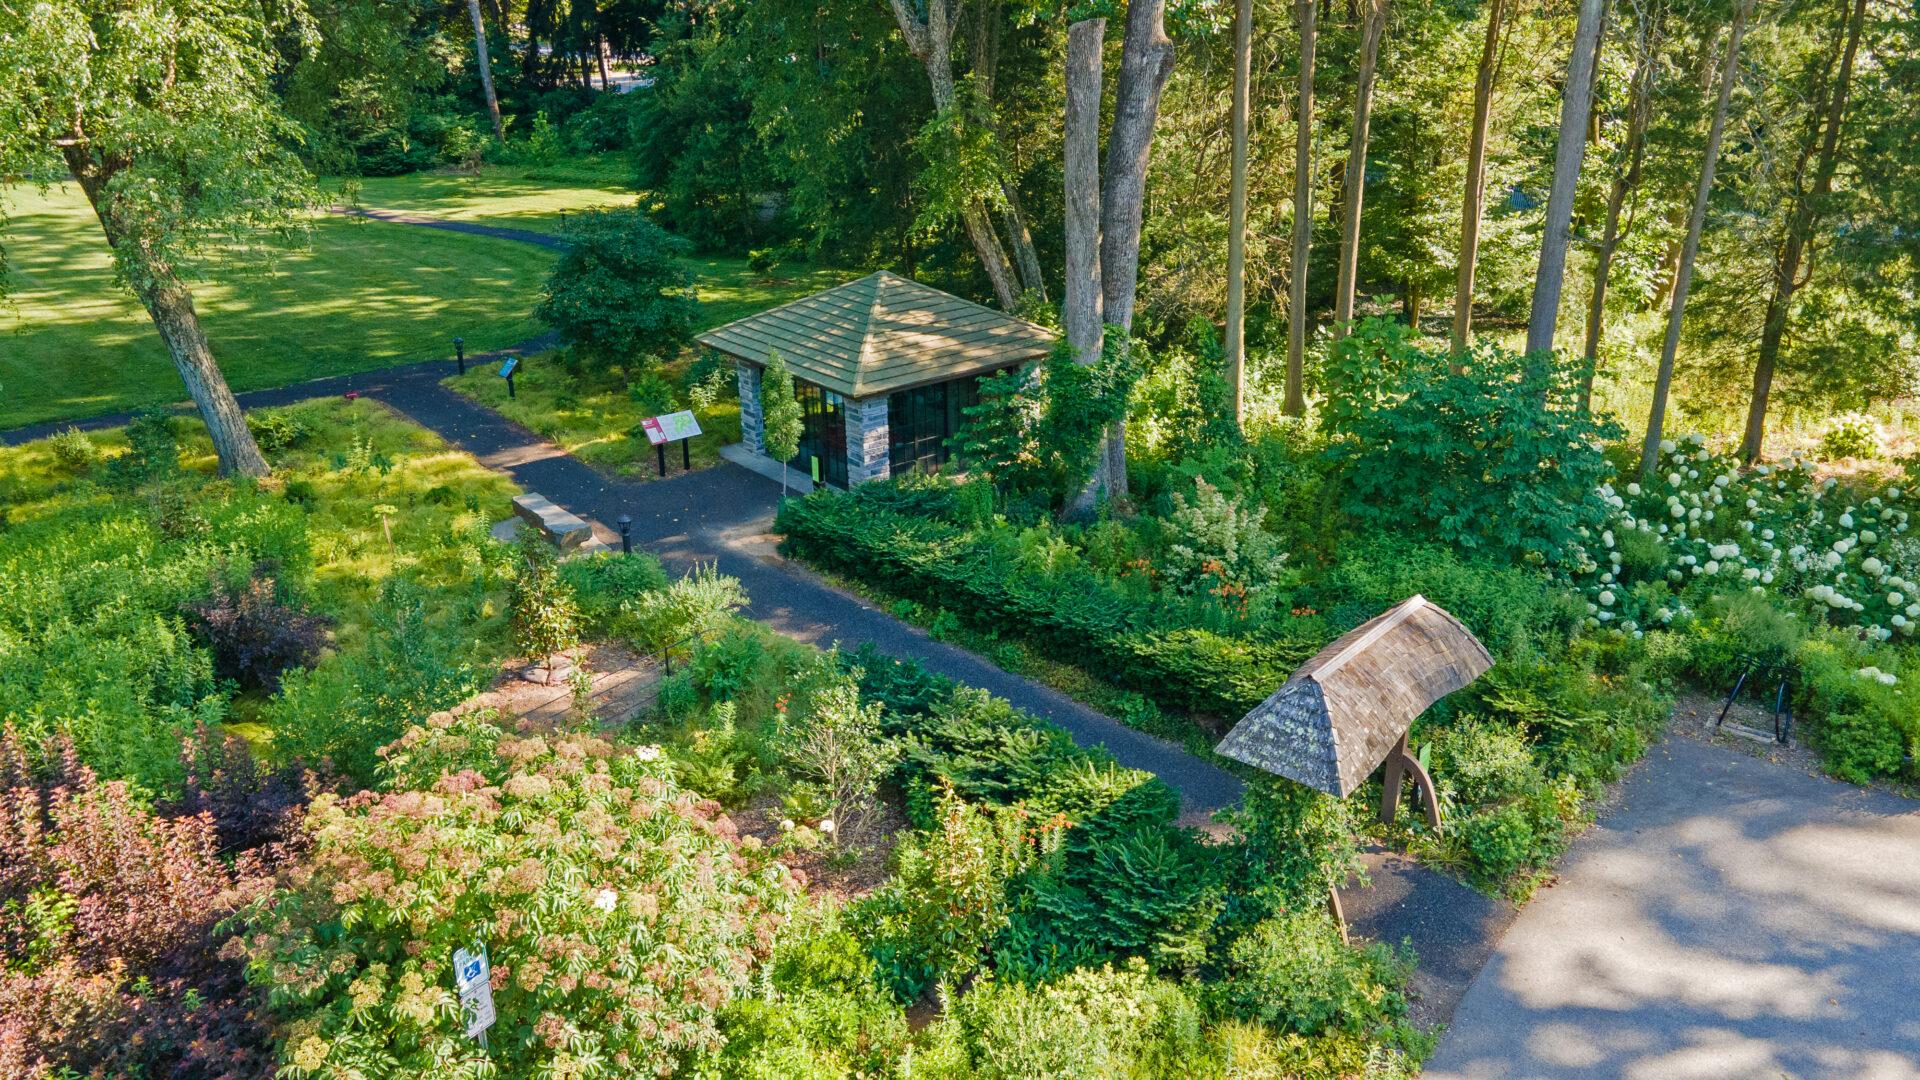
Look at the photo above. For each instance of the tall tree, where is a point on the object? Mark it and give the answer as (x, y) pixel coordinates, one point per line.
(1295, 401)
(1647, 35)
(1474, 205)
(1576, 104)
(1375, 22)
(1236, 328)
(1082, 312)
(162, 112)
(929, 30)
(1808, 209)
(1689, 248)
(486, 69)
(1146, 62)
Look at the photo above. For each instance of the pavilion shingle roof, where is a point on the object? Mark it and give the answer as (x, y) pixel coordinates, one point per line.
(880, 334)
(1341, 712)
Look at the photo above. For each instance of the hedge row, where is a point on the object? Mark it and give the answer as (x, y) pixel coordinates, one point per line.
(1075, 616)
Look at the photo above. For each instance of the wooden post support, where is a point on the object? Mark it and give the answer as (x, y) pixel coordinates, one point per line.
(1339, 915)
(660, 449)
(1400, 761)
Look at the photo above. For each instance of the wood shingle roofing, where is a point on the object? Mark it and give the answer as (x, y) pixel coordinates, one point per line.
(1343, 711)
(882, 333)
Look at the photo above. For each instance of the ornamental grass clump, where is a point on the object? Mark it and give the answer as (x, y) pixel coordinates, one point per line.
(618, 912)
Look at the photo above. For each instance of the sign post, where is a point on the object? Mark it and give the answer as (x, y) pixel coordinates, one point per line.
(507, 368)
(678, 427)
(473, 978)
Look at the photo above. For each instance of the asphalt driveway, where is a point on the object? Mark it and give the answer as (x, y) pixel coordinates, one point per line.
(1727, 918)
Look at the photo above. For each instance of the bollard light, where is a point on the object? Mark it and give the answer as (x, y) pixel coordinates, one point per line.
(460, 353)
(626, 534)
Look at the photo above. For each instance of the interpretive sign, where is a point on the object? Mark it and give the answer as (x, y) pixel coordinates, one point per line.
(670, 428)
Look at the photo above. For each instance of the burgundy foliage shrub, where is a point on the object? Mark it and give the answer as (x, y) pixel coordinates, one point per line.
(253, 636)
(107, 915)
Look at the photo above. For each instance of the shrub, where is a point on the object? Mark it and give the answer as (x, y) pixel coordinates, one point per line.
(254, 636)
(618, 915)
(1293, 973)
(1864, 721)
(935, 918)
(1505, 814)
(1217, 545)
(153, 448)
(695, 606)
(831, 744)
(343, 710)
(1494, 456)
(620, 291)
(1149, 645)
(1090, 1022)
(106, 912)
(276, 430)
(73, 450)
(545, 619)
(606, 586)
(817, 1011)
(1854, 435)
(1033, 433)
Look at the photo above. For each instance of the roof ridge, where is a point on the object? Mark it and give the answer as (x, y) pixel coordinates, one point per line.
(1392, 619)
(880, 280)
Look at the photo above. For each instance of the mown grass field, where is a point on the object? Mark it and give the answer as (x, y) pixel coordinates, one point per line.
(361, 295)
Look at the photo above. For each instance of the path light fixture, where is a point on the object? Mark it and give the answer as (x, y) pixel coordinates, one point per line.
(626, 533)
(1347, 711)
(460, 353)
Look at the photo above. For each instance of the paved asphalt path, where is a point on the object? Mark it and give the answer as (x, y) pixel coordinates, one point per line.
(1727, 918)
(724, 516)
(471, 228)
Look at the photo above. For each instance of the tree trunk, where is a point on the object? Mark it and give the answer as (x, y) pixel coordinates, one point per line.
(1575, 105)
(486, 70)
(1295, 403)
(1146, 62)
(1236, 329)
(600, 51)
(1640, 108)
(930, 38)
(1082, 303)
(1787, 276)
(1683, 270)
(1475, 203)
(1032, 279)
(170, 306)
(1081, 167)
(1356, 175)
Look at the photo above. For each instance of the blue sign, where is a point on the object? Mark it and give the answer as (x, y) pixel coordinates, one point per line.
(507, 366)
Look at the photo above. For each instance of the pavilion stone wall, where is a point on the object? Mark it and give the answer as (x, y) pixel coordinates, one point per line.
(867, 439)
(753, 423)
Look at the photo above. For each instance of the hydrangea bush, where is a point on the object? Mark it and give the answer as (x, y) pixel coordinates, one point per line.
(618, 912)
(1703, 526)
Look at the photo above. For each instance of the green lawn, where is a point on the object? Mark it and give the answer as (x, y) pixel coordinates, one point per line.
(363, 295)
(514, 196)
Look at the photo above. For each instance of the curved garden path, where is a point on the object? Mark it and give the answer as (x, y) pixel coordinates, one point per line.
(723, 516)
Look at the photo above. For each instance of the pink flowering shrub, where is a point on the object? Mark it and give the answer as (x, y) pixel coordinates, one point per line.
(618, 912)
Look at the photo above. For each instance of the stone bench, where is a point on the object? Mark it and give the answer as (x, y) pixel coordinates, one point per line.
(565, 529)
